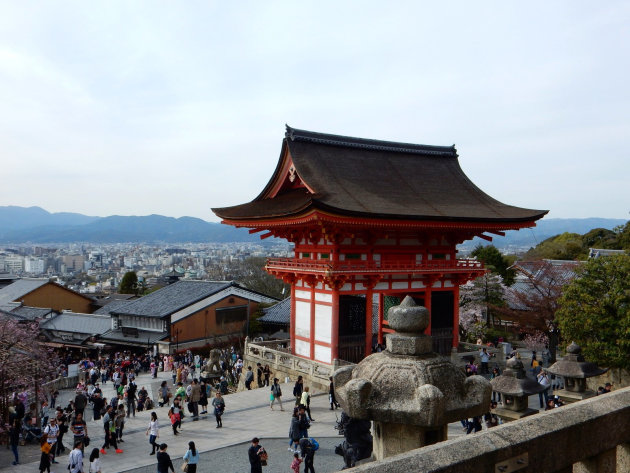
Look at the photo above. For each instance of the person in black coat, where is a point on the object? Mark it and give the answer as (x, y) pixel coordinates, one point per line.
(254, 456)
(164, 460)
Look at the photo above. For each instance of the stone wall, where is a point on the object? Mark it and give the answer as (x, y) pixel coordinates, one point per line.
(617, 377)
(587, 436)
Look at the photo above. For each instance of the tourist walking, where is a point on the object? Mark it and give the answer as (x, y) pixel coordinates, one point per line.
(175, 414)
(308, 446)
(303, 421)
(95, 461)
(164, 462)
(75, 459)
(191, 457)
(164, 394)
(52, 433)
(254, 453)
(331, 395)
(305, 400)
(276, 394)
(79, 429)
(298, 389)
(193, 397)
(249, 378)
(109, 428)
(203, 397)
(294, 432)
(14, 439)
(44, 460)
(219, 407)
(120, 422)
(132, 389)
(153, 432)
(543, 380)
(295, 464)
(267, 374)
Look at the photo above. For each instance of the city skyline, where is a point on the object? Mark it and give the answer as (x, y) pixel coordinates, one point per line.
(154, 108)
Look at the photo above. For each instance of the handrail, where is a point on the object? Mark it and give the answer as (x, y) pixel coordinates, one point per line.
(531, 444)
(314, 369)
(329, 267)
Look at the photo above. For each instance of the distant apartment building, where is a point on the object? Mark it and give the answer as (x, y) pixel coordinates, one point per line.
(73, 262)
(34, 265)
(14, 263)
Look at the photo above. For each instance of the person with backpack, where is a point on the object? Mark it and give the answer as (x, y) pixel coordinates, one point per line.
(303, 421)
(276, 394)
(309, 446)
(298, 389)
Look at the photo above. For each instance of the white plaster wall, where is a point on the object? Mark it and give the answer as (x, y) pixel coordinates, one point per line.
(323, 354)
(303, 294)
(400, 285)
(303, 319)
(323, 297)
(323, 323)
(302, 348)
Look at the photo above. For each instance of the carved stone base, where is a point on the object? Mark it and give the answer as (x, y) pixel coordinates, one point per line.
(392, 439)
(569, 397)
(508, 415)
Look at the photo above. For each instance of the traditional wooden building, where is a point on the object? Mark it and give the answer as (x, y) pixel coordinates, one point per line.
(370, 220)
(43, 293)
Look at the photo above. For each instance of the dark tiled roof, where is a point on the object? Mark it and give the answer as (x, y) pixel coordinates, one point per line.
(31, 313)
(279, 313)
(143, 336)
(171, 298)
(378, 179)
(78, 323)
(111, 306)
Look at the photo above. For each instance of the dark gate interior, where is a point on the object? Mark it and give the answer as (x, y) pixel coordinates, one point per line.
(351, 328)
(442, 321)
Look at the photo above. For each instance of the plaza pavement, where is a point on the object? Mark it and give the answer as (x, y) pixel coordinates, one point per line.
(222, 450)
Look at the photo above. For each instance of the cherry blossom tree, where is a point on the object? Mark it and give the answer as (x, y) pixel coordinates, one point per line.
(25, 364)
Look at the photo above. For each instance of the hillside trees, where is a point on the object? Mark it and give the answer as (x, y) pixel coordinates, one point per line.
(495, 262)
(129, 283)
(250, 273)
(595, 311)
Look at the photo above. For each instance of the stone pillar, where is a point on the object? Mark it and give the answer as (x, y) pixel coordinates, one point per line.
(392, 439)
(603, 463)
(623, 457)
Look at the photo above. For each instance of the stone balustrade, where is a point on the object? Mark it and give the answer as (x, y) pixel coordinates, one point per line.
(590, 436)
(283, 364)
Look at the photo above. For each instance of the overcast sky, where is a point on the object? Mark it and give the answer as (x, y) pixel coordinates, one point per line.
(134, 108)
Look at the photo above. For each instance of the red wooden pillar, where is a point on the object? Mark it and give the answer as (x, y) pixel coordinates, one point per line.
(292, 324)
(312, 329)
(334, 339)
(368, 322)
(427, 304)
(381, 316)
(456, 315)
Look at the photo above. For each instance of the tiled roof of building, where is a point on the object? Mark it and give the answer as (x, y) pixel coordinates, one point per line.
(31, 313)
(78, 323)
(111, 306)
(373, 179)
(172, 298)
(20, 288)
(279, 313)
(133, 336)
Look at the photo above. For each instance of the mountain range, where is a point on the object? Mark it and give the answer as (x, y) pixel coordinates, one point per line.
(36, 225)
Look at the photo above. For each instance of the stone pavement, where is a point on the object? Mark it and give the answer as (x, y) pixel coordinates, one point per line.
(223, 450)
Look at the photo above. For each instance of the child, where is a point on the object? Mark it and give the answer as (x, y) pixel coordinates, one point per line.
(295, 464)
(44, 461)
(95, 461)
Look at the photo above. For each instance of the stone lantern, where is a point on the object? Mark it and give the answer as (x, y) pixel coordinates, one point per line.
(410, 393)
(574, 370)
(515, 387)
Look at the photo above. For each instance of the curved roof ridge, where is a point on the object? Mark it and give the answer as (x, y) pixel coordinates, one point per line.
(295, 134)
